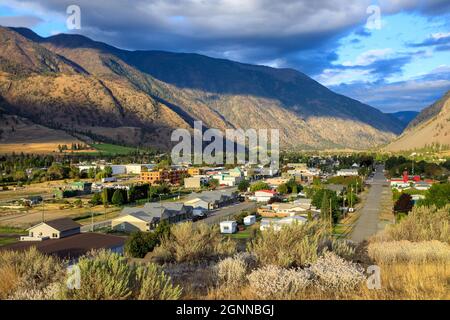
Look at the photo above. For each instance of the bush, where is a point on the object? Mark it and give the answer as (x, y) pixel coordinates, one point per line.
(274, 282)
(96, 199)
(140, 243)
(28, 271)
(295, 245)
(411, 252)
(187, 242)
(231, 272)
(119, 197)
(422, 224)
(108, 276)
(154, 284)
(333, 273)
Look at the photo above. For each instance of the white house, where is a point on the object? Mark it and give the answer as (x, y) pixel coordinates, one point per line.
(347, 173)
(228, 227)
(278, 224)
(264, 195)
(54, 229)
(250, 220)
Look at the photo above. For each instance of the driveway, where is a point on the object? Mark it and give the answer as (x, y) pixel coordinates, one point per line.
(368, 222)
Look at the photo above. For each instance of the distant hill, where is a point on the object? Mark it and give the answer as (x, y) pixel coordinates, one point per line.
(405, 117)
(71, 82)
(431, 128)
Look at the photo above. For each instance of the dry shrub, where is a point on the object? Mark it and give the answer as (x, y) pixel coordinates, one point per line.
(108, 276)
(231, 272)
(336, 274)
(154, 284)
(407, 251)
(422, 224)
(295, 245)
(29, 271)
(189, 243)
(274, 282)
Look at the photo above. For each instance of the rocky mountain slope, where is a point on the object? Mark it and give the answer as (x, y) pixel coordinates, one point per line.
(73, 83)
(430, 128)
(405, 117)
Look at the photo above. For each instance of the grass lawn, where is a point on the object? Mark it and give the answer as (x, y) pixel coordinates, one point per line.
(11, 230)
(110, 149)
(6, 241)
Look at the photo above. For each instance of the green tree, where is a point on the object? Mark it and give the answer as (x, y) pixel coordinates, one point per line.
(96, 199)
(243, 185)
(140, 243)
(213, 183)
(260, 185)
(438, 195)
(283, 188)
(118, 198)
(91, 173)
(108, 172)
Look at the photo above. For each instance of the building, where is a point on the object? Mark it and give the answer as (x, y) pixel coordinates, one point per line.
(72, 247)
(228, 227)
(170, 176)
(250, 220)
(194, 171)
(147, 218)
(338, 188)
(193, 182)
(277, 224)
(264, 195)
(32, 200)
(226, 179)
(54, 229)
(275, 182)
(347, 172)
(210, 200)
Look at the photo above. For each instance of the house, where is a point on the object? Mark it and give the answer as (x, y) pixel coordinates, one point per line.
(338, 188)
(228, 227)
(277, 224)
(71, 247)
(32, 200)
(347, 172)
(250, 220)
(210, 200)
(422, 185)
(264, 195)
(275, 182)
(193, 182)
(288, 209)
(54, 229)
(148, 217)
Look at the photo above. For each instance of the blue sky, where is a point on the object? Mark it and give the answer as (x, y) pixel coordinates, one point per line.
(403, 65)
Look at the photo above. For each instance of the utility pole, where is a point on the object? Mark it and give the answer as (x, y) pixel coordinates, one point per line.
(331, 219)
(43, 210)
(92, 221)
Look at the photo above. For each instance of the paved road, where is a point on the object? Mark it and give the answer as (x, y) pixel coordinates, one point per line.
(215, 216)
(223, 213)
(367, 224)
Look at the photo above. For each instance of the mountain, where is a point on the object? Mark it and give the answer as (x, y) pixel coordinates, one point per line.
(430, 128)
(73, 83)
(405, 117)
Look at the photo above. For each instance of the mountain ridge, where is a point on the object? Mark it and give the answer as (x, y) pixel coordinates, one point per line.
(226, 94)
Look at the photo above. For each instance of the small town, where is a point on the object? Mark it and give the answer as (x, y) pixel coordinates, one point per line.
(221, 158)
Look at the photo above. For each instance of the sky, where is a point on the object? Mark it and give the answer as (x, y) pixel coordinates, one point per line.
(391, 54)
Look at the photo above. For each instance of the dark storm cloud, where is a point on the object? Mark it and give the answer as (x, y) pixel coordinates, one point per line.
(249, 31)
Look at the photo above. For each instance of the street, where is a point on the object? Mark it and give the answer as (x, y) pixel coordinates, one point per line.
(367, 224)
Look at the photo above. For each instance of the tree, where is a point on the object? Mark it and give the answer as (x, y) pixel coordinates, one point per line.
(213, 183)
(325, 206)
(118, 198)
(140, 243)
(283, 188)
(260, 185)
(243, 185)
(91, 173)
(438, 195)
(96, 199)
(404, 204)
(108, 172)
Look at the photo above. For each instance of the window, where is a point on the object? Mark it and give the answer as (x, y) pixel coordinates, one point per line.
(226, 228)
(54, 235)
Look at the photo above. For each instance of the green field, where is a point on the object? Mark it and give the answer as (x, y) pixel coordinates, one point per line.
(112, 149)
